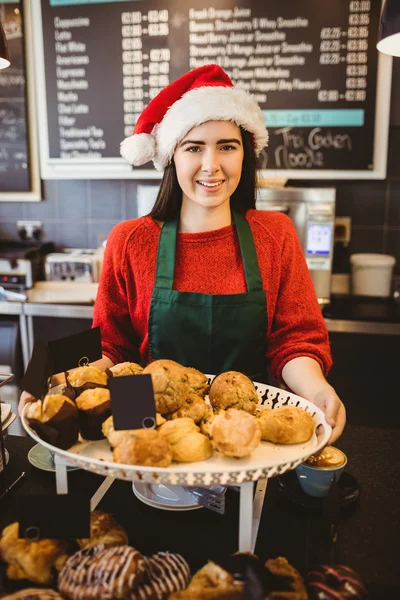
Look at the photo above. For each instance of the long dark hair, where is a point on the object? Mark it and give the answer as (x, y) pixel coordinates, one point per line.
(169, 198)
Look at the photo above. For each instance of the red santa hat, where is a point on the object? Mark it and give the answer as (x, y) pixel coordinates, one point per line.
(204, 94)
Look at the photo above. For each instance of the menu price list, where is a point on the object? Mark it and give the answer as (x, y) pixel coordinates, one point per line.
(14, 152)
(312, 70)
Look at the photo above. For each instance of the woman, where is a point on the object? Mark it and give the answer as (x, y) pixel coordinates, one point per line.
(205, 279)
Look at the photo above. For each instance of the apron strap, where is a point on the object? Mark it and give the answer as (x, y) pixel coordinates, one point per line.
(249, 255)
(167, 247)
(166, 255)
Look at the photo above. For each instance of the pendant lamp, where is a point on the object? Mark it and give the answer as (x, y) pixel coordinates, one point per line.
(4, 61)
(389, 29)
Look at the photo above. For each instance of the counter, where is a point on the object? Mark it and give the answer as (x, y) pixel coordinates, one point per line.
(368, 530)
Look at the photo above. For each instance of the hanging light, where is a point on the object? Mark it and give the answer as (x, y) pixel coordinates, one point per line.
(4, 61)
(389, 29)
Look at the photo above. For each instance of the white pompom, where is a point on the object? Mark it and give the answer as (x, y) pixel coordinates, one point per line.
(138, 149)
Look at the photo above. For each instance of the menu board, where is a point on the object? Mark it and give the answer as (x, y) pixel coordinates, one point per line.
(313, 68)
(17, 178)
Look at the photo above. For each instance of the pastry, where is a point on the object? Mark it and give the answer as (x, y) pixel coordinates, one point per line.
(205, 423)
(145, 447)
(233, 390)
(55, 420)
(84, 378)
(165, 573)
(105, 530)
(34, 561)
(211, 582)
(186, 441)
(235, 433)
(124, 368)
(283, 581)
(114, 437)
(198, 382)
(193, 407)
(97, 572)
(34, 594)
(94, 408)
(170, 384)
(286, 425)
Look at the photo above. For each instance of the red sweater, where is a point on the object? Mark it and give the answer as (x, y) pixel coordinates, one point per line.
(210, 263)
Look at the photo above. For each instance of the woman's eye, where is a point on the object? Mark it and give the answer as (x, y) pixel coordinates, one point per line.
(228, 147)
(193, 149)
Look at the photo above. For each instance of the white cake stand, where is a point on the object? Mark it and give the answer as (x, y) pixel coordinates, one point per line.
(268, 460)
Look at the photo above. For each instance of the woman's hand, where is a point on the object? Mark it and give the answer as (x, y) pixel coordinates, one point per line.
(335, 413)
(24, 399)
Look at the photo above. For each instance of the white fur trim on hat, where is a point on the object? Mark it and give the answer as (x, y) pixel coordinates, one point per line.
(207, 103)
(138, 149)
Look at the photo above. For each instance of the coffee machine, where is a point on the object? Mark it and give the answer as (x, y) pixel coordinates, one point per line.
(312, 211)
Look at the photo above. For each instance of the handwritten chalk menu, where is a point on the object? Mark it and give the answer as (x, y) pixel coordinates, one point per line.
(14, 156)
(311, 66)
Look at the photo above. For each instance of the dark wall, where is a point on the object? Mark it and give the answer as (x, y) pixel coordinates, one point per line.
(81, 213)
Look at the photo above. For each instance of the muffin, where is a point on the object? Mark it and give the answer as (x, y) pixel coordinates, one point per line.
(193, 407)
(35, 561)
(104, 530)
(286, 425)
(114, 437)
(145, 447)
(206, 422)
(55, 420)
(235, 433)
(198, 382)
(186, 441)
(84, 378)
(98, 572)
(124, 368)
(94, 408)
(170, 384)
(233, 390)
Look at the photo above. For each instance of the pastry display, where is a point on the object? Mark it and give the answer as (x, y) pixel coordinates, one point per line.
(235, 433)
(170, 384)
(94, 408)
(286, 425)
(32, 560)
(232, 389)
(193, 407)
(55, 420)
(186, 441)
(124, 368)
(211, 582)
(198, 382)
(34, 594)
(146, 447)
(105, 530)
(165, 573)
(98, 572)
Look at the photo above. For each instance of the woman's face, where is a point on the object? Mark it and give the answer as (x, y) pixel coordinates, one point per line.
(208, 163)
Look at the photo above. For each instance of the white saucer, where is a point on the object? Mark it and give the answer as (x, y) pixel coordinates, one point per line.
(5, 410)
(164, 497)
(1, 459)
(41, 458)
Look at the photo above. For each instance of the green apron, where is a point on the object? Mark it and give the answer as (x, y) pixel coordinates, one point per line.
(210, 332)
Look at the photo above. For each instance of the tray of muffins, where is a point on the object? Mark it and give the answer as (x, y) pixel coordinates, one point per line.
(223, 429)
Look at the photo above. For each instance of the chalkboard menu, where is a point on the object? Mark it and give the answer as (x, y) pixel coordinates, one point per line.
(16, 168)
(312, 66)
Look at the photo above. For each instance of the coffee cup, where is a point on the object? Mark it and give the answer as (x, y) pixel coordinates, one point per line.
(317, 473)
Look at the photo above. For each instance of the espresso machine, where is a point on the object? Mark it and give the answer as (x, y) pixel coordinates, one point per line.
(312, 211)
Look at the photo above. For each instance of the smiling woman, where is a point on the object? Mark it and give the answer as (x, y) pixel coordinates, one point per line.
(205, 279)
